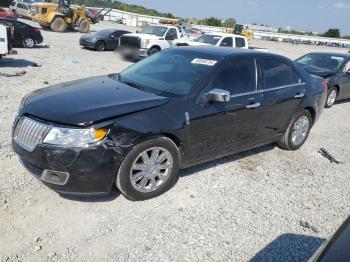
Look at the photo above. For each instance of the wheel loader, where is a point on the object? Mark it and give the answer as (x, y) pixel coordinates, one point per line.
(60, 16)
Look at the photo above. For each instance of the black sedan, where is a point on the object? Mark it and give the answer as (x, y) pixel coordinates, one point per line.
(335, 67)
(24, 34)
(107, 39)
(175, 109)
(336, 248)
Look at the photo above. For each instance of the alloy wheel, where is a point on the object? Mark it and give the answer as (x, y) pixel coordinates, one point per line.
(331, 97)
(300, 130)
(151, 169)
(29, 43)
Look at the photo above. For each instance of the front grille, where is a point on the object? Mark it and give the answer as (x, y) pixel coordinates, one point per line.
(128, 41)
(29, 133)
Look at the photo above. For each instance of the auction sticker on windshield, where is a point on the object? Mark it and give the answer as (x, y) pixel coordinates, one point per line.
(207, 62)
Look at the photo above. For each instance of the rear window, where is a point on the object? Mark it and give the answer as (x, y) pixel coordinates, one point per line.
(332, 62)
(278, 73)
(240, 42)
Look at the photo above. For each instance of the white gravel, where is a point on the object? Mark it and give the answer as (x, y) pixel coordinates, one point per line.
(266, 204)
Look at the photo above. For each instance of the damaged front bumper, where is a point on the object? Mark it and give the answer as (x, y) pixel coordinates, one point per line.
(73, 171)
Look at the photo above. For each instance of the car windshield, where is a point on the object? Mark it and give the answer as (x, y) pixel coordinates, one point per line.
(208, 39)
(170, 73)
(331, 62)
(154, 30)
(105, 32)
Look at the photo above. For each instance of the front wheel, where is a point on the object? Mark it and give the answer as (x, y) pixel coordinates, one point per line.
(100, 46)
(58, 25)
(149, 169)
(331, 97)
(153, 51)
(297, 131)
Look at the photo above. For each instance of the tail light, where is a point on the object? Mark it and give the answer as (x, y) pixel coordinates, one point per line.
(325, 84)
(36, 30)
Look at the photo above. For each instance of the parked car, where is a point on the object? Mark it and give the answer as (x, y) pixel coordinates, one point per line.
(25, 35)
(335, 67)
(107, 39)
(150, 40)
(7, 14)
(22, 9)
(336, 248)
(175, 109)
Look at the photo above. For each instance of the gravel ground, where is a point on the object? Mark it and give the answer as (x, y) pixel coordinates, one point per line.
(263, 205)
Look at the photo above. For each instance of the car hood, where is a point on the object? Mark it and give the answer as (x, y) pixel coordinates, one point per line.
(144, 36)
(194, 43)
(88, 101)
(319, 71)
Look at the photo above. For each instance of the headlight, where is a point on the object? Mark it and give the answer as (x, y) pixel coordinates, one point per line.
(74, 137)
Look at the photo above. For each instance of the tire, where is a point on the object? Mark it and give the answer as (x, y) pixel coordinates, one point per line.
(154, 50)
(58, 25)
(331, 97)
(28, 42)
(131, 186)
(84, 26)
(100, 46)
(290, 141)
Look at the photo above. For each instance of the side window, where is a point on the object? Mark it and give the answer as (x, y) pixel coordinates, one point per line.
(277, 73)
(237, 76)
(19, 5)
(172, 33)
(240, 42)
(227, 42)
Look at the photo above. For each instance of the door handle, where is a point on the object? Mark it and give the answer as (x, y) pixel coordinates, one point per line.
(299, 95)
(253, 105)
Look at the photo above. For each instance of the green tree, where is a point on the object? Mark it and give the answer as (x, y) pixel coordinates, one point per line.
(333, 32)
(230, 22)
(211, 21)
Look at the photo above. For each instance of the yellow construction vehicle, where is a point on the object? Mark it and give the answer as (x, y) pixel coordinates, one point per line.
(244, 31)
(60, 16)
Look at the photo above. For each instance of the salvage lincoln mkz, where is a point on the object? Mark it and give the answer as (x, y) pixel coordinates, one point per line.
(172, 110)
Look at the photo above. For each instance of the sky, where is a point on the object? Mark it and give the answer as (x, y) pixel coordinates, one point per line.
(307, 15)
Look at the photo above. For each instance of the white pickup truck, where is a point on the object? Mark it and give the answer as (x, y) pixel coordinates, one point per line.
(150, 39)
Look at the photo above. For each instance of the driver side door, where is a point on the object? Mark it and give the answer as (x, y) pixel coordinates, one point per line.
(218, 128)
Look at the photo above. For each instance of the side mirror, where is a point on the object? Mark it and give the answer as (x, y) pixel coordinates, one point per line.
(218, 95)
(348, 72)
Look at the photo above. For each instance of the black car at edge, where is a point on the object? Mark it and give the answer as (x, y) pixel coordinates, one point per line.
(335, 67)
(175, 109)
(24, 35)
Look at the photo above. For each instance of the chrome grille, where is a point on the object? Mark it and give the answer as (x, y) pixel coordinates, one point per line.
(29, 133)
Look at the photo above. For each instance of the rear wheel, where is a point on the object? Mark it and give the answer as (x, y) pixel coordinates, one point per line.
(28, 42)
(331, 97)
(58, 25)
(297, 132)
(84, 26)
(149, 169)
(100, 46)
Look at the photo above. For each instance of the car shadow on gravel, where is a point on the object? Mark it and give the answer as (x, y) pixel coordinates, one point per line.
(192, 170)
(13, 62)
(115, 194)
(289, 247)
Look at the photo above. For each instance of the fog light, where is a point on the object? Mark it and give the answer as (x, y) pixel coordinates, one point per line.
(55, 177)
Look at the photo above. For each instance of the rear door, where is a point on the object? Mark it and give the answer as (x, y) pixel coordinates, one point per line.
(283, 91)
(221, 127)
(345, 81)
